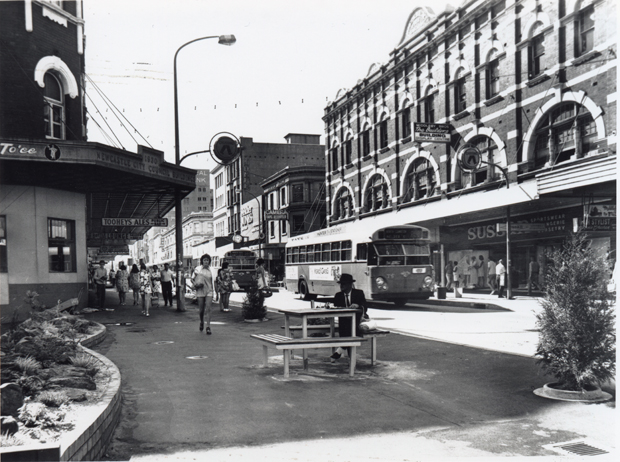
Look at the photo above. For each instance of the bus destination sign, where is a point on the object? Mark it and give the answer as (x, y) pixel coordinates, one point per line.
(401, 233)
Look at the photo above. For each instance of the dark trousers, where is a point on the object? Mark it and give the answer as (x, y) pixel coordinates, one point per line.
(101, 294)
(166, 290)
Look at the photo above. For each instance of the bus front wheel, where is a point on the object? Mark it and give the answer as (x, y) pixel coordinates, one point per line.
(303, 291)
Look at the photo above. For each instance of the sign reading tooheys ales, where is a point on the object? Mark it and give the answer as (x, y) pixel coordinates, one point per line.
(134, 221)
(431, 133)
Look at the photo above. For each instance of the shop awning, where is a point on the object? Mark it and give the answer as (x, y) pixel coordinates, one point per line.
(118, 184)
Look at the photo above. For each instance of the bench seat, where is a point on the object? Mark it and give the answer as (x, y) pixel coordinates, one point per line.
(281, 342)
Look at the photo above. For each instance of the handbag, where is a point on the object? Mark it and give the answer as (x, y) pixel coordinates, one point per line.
(368, 325)
(235, 286)
(266, 292)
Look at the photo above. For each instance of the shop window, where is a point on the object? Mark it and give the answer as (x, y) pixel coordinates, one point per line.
(376, 195)
(420, 181)
(53, 108)
(460, 96)
(429, 108)
(348, 151)
(344, 204)
(383, 132)
(536, 54)
(298, 193)
(492, 79)
(366, 141)
(61, 245)
(3, 246)
(567, 132)
(584, 32)
(406, 122)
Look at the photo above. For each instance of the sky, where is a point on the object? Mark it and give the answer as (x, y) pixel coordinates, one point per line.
(289, 61)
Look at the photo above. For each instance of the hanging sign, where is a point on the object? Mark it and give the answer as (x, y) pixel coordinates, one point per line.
(468, 157)
(224, 148)
(272, 215)
(431, 133)
(134, 221)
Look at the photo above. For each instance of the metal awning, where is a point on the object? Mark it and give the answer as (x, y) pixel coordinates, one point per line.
(117, 183)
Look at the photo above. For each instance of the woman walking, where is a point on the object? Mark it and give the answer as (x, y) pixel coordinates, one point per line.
(134, 283)
(122, 283)
(146, 289)
(224, 286)
(156, 278)
(203, 283)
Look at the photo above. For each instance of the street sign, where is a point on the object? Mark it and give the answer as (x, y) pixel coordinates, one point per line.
(469, 157)
(521, 227)
(432, 133)
(114, 249)
(137, 222)
(124, 236)
(224, 148)
(276, 215)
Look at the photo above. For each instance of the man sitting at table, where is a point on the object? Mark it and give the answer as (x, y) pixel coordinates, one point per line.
(348, 297)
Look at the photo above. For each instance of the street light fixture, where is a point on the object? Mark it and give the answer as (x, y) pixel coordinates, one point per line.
(178, 204)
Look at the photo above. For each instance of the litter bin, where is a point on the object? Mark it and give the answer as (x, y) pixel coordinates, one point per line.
(442, 293)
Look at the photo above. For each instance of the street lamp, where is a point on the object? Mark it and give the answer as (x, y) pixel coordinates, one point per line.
(178, 204)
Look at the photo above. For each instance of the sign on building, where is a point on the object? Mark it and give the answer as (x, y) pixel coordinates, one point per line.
(431, 133)
(138, 222)
(276, 215)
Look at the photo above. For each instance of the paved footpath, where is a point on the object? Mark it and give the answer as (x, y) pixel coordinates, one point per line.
(188, 396)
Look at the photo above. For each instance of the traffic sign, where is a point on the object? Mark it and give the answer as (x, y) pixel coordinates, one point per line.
(224, 148)
(469, 157)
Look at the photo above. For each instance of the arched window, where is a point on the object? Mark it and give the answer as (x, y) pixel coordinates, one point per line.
(488, 151)
(376, 195)
(344, 204)
(420, 181)
(567, 132)
(53, 108)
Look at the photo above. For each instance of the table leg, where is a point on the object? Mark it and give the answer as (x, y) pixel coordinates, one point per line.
(265, 356)
(373, 351)
(332, 329)
(353, 319)
(304, 334)
(287, 360)
(352, 366)
(287, 324)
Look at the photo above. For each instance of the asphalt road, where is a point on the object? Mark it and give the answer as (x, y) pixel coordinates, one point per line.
(187, 392)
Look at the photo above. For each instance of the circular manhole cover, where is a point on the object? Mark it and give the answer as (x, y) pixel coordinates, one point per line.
(163, 342)
(196, 357)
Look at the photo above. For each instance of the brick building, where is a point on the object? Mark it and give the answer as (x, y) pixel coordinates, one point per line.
(531, 84)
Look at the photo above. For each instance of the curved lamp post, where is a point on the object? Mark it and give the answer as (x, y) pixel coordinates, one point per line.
(178, 203)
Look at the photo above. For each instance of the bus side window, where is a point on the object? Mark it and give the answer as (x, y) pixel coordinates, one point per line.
(372, 255)
(362, 252)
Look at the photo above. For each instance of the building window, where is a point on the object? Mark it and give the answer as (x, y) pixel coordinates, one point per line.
(334, 155)
(283, 227)
(429, 109)
(61, 245)
(420, 181)
(492, 78)
(460, 96)
(406, 122)
(376, 195)
(298, 224)
(383, 132)
(54, 108)
(536, 52)
(283, 197)
(298, 193)
(584, 32)
(272, 229)
(272, 202)
(567, 132)
(488, 151)
(3, 252)
(366, 141)
(343, 204)
(348, 152)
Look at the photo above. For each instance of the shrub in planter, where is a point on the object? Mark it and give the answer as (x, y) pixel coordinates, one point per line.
(253, 307)
(577, 338)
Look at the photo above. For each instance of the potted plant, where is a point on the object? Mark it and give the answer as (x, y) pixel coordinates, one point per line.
(253, 308)
(577, 340)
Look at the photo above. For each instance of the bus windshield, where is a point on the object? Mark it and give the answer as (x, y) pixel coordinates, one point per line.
(402, 254)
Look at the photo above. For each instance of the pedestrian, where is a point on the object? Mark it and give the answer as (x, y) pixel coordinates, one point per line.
(122, 283)
(534, 270)
(501, 278)
(156, 278)
(261, 278)
(473, 272)
(481, 270)
(492, 272)
(100, 278)
(167, 276)
(113, 277)
(134, 283)
(203, 283)
(224, 286)
(146, 289)
(348, 297)
(456, 274)
(449, 274)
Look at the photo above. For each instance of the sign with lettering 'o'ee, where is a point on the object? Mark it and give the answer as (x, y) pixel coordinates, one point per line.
(224, 148)
(469, 158)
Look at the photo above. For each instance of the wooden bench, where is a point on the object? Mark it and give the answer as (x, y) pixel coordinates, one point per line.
(312, 328)
(280, 342)
(373, 335)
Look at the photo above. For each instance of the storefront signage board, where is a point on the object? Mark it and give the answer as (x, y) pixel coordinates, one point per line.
(276, 215)
(431, 133)
(522, 227)
(137, 222)
(114, 250)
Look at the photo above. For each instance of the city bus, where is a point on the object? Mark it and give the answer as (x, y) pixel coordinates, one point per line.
(242, 264)
(388, 264)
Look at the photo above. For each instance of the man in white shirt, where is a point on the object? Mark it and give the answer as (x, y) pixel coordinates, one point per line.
(501, 278)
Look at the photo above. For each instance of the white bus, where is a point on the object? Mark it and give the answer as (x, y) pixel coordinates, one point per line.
(390, 264)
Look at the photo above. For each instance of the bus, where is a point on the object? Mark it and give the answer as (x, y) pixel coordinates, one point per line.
(390, 264)
(242, 264)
